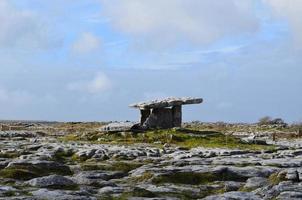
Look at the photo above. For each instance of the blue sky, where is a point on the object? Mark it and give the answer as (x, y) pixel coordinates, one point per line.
(87, 60)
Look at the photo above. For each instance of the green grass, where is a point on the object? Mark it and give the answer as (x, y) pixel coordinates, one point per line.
(187, 138)
(19, 174)
(144, 177)
(26, 172)
(275, 179)
(9, 155)
(9, 193)
(62, 156)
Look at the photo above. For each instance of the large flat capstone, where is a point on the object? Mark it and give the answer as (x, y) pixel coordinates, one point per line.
(168, 102)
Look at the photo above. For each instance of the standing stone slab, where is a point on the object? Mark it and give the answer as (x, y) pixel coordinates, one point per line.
(144, 115)
(177, 116)
(159, 118)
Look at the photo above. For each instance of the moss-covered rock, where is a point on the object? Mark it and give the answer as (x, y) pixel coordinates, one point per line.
(20, 174)
(24, 170)
(186, 178)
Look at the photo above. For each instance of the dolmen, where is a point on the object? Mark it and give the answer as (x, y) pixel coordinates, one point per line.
(156, 114)
(164, 113)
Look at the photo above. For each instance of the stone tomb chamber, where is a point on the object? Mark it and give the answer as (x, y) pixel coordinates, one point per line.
(165, 113)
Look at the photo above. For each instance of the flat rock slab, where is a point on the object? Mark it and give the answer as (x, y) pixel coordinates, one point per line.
(52, 181)
(117, 126)
(168, 102)
(43, 194)
(234, 196)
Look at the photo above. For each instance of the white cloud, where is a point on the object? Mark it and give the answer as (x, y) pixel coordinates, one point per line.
(86, 43)
(23, 29)
(98, 84)
(291, 10)
(162, 23)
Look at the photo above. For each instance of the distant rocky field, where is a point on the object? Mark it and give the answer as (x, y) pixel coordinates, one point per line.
(77, 161)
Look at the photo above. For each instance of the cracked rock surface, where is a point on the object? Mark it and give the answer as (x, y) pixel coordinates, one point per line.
(34, 166)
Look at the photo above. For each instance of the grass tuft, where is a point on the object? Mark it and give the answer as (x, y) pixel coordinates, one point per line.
(187, 138)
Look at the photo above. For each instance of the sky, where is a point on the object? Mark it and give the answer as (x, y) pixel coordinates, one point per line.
(87, 60)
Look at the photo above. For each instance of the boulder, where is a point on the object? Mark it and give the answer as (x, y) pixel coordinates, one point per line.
(110, 190)
(28, 169)
(52, 181)
(43, 194)
(118, 127)
(255, 182)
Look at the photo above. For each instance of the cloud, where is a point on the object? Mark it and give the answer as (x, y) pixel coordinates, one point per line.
(162, 23)
(291, 10)
(23, 29)
(86, 43)
(98, 84)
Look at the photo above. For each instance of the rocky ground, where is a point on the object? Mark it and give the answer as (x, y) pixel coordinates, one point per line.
(35, 165)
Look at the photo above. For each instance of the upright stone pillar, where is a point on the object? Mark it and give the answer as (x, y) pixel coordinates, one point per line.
(176, 116)
(144, 115)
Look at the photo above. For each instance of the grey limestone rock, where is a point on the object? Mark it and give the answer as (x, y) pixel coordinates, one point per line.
(52, 181)
(256, 182)
(234, 196)
(43, 194)
(163, 113)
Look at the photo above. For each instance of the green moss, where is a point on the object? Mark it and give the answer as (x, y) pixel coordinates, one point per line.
(9, 193)
(144, 177)
(276, 178)
(187, 138)
(76, 158)
(27, 193)
(26, 172)
(186, 178)
(244, 189)
(70, 137)
(19, 174)
(63, 156)
(9, 155)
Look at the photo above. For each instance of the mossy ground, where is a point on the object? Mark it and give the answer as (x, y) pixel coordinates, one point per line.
(187, 138)
(20, 174)
(27, 172)
(275, 178)
(9, 155)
